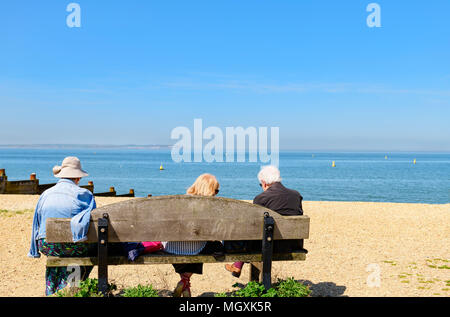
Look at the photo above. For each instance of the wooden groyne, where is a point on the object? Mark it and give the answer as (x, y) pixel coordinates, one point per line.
(112, 193)
(32, 187)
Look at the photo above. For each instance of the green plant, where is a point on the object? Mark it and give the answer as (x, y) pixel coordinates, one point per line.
(253, 289)
(87, 288)
(292, 288)
(140, 291)
(283, 288)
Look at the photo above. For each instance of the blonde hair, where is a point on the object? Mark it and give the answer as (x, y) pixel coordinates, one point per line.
(204, 185)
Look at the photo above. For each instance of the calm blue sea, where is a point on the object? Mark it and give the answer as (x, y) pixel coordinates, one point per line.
(356, 177)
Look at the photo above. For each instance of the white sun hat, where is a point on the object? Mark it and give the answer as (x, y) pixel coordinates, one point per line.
(70, 168)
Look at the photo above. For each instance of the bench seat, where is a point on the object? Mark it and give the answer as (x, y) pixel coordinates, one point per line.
(164, 258)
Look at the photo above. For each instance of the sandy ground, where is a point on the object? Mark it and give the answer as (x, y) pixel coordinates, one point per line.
(351, 243)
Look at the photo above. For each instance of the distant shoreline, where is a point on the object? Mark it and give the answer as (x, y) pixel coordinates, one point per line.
(169, 147)
(84, 146)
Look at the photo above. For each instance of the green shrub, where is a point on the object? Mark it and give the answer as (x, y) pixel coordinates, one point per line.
(140, 291)
(87, 288)
(292, 288)
(283, 288)
(253, 289)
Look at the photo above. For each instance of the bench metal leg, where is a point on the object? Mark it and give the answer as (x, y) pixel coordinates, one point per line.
(255, 271)
(267, 250)
(103, 254)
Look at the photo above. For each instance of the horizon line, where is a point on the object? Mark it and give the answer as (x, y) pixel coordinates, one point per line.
(166, 146)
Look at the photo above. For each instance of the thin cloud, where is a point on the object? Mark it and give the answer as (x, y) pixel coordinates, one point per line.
(331, 88)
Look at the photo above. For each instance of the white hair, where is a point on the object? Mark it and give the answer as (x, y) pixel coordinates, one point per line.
(269, 175)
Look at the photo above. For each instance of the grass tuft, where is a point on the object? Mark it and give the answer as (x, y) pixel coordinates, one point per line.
(140, 291)
(283, 288)
(87, 288)
(11, 213)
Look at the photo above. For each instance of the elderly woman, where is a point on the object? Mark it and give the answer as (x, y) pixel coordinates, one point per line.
(205, 185)
(64, 200)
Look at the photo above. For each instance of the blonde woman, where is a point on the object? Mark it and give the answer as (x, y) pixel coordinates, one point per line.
(205, 185)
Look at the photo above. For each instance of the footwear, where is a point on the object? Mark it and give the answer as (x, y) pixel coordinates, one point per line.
(182, 288)
(236, 272)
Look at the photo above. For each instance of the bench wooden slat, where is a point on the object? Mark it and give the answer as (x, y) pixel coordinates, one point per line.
(183, 218)
(169, 259)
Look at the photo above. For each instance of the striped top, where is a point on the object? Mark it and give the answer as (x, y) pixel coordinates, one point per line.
(184, 247)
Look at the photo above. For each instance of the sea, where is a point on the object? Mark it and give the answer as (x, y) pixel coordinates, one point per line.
(365, 177)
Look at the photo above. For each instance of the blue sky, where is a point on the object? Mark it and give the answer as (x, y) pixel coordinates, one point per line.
(137, 69)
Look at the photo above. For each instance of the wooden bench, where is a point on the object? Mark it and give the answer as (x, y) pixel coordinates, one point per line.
(183, 218)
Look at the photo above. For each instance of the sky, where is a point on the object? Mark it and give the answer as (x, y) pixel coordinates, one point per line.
(135, 70)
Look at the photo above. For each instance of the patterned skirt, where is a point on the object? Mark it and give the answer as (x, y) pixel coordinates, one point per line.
(58, 277)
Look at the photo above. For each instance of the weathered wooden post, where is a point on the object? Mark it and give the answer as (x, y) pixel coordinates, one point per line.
(90, 186)
(110, 193)
(3, 180)
(35, 184)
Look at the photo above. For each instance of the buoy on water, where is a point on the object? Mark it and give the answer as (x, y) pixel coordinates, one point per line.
(386, 157)
(334, 164)
(415, 161)
(161, 168)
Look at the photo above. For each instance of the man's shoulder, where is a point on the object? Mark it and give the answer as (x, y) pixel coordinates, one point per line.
(296, 192)
(260, 199)
(293, 191)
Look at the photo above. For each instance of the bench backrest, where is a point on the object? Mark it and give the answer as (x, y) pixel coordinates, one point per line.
(183, 218)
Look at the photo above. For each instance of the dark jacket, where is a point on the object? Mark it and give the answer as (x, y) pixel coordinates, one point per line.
(285, 201)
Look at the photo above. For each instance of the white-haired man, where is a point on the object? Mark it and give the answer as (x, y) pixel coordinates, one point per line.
(275, 196)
